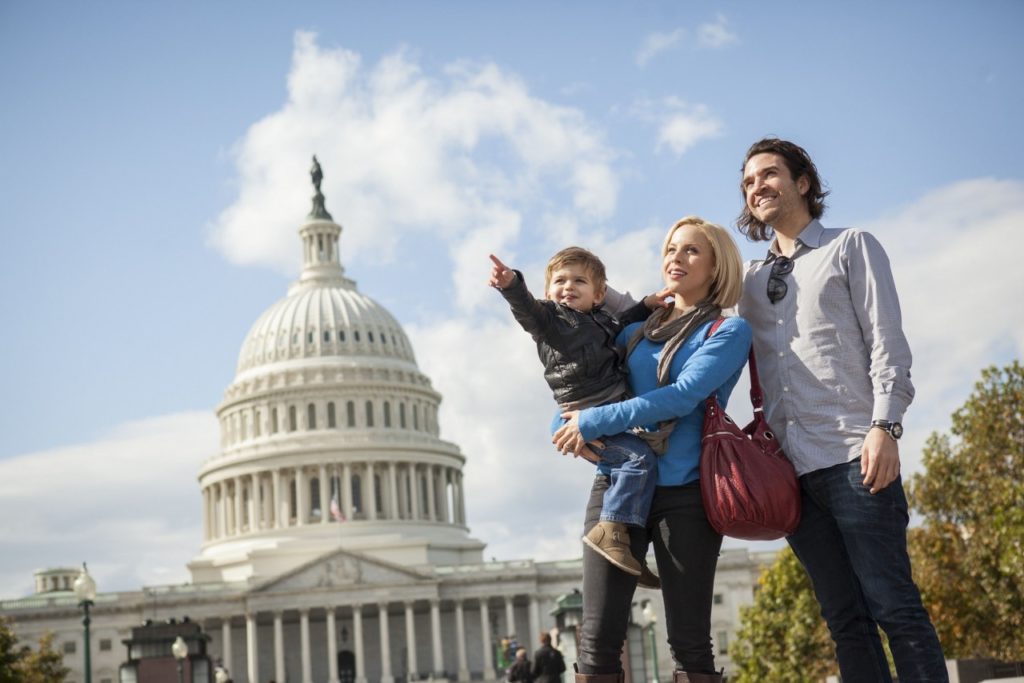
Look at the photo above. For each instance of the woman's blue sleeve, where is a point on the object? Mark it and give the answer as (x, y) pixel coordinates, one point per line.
(710, 366)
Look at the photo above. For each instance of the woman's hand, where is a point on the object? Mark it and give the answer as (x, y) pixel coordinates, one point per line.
(568, 439)
(658, 299)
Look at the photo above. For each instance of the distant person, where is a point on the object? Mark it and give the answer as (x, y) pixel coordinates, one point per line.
(575, 339)
(673, 367)
(520, 669)
(835, 368)
(548, 664)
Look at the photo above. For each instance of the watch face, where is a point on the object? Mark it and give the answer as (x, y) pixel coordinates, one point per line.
(896, 429)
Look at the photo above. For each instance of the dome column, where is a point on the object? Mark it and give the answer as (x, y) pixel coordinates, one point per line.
(410, 642)
(392, 491)
(346, 489)
(277, 503)
(301, 497)
(431, 492)
(435, 638)
(414, 491)
(236, 506)
(279, 672)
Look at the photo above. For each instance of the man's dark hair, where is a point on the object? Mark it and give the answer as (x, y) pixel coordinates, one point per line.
(799, 163)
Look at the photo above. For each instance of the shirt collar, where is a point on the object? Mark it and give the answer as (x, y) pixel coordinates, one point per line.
(810, 237)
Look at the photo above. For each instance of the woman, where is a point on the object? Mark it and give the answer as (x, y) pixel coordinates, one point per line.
(673, 368)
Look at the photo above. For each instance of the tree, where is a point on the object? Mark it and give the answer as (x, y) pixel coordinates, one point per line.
(968, 553)
(783, 637)
(24, 665)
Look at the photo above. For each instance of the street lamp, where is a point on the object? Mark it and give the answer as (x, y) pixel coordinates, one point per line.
(650, 619)
(85, 591)
(221, 675)
(180, 651)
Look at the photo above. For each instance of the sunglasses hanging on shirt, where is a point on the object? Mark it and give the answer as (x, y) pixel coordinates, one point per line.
(777, 287)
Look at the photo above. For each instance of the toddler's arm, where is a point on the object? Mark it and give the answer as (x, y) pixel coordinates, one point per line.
(534, 316)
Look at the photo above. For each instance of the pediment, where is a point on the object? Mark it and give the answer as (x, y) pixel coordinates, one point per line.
(341, 569)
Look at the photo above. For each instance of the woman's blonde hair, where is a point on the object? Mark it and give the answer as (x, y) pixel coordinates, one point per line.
(727, 277)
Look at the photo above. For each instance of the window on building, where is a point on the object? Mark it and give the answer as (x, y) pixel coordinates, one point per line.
(719, 599)
(723, 642)
(273, 420)
(309, 337)
(369, 335)
(355, 333)
(369, 413)
(327, 335)
(293, 420)
(350, 409)
(341, 335)
(357, 493)
(387, 413)
(314, 495)
(106, 644)
(332, 420)
(311, 416)
(401, 415)
(256, 429)
(415, 416)
(69, 647)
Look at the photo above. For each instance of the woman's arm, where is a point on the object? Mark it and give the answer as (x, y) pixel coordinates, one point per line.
(710, 366)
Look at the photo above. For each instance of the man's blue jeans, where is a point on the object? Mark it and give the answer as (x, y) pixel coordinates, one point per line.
(854, 547)
(632, 467)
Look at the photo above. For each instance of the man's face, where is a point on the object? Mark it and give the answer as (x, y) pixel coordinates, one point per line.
(771, 194)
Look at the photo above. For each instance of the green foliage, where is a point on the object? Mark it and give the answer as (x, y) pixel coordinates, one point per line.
(783, 637)
(969, 552)
(25, 665)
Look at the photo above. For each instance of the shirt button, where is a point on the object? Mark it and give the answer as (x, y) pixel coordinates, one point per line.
(780, 354)
(790, 423)
(785, 388)
(779, 321)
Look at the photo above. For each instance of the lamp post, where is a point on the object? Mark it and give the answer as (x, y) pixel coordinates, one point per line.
(180, 651)
(650, 620)
(221, 675)
(85, 591)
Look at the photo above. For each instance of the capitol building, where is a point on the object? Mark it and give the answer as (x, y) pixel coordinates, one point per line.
(335, 543)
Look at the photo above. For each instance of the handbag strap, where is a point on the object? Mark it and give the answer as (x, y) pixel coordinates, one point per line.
(756, 396)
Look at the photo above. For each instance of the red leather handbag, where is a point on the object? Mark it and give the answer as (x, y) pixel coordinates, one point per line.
(748, 485)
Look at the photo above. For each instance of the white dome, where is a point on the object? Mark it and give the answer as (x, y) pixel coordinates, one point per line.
(325, 319)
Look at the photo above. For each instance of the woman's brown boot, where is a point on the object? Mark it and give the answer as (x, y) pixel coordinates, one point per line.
(688, 677)
(598, 678)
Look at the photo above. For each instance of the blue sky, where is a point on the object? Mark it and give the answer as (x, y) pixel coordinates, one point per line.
(154, 156)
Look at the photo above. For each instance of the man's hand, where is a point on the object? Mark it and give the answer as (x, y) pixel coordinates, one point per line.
(658, 299)
(502, 276)
(879, 460)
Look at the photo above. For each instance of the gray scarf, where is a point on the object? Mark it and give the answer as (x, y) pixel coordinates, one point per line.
(673, 335)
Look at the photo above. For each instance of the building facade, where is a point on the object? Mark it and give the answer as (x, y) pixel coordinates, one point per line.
(335, 544)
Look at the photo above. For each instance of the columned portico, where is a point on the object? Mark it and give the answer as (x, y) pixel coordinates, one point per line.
(485, 637)
(385, 645)
(357, 635)
(460, 641)
(332, 647)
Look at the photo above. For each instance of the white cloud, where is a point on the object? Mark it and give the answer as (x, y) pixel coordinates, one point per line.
(656, 43)
(715, 35)
(127, 503)
(680, 125)
(955, 254)
(463, 155)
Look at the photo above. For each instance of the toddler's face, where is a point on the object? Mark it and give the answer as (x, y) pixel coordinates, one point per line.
(573, 286)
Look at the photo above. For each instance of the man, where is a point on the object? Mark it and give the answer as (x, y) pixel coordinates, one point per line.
(835, 368)
(548, 664)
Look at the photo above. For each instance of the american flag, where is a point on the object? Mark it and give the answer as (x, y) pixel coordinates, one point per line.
(336, 512)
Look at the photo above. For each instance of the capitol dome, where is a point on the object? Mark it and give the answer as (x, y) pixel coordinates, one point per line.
(329, 437)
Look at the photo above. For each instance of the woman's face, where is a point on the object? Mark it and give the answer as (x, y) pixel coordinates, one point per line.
(688, 265)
